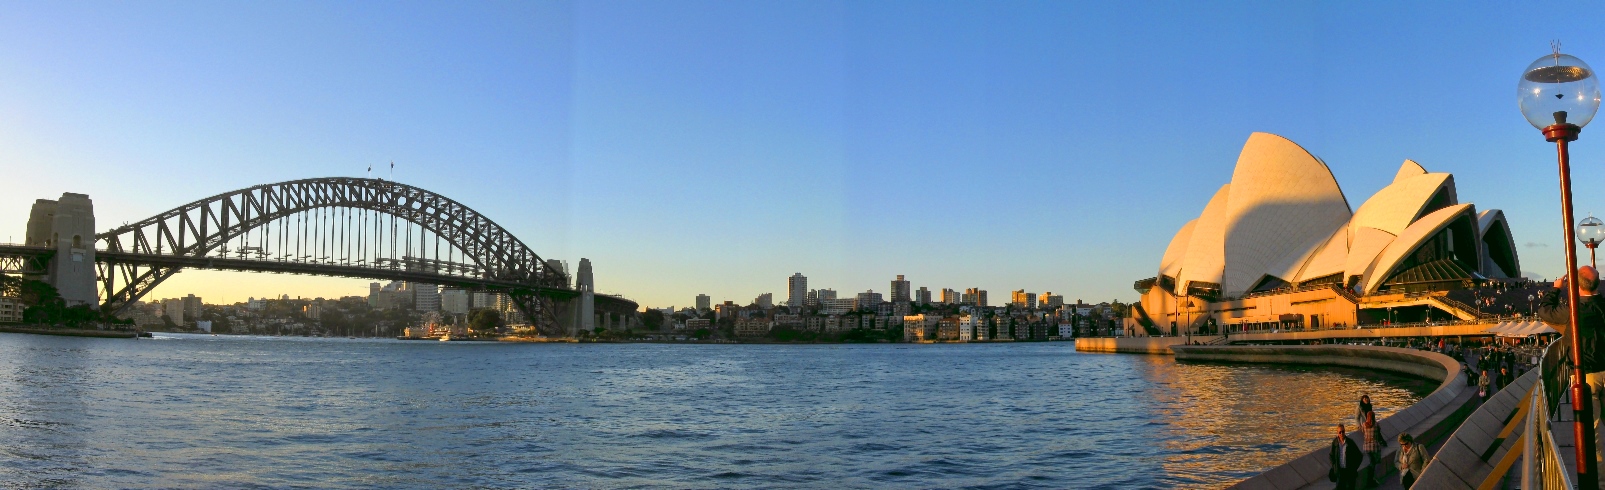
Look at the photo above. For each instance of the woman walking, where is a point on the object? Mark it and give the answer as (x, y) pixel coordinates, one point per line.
(1372, 447)
(1365, 408)
(1412, 460)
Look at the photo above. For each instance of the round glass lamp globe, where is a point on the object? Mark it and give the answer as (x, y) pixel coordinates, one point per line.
(1591, 231)
(1558, 88)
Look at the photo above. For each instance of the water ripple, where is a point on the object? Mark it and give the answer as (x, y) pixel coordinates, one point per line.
(262, 412)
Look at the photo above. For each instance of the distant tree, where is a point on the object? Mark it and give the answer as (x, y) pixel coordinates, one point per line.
(652, 319)
(10, 286)
(484, 322)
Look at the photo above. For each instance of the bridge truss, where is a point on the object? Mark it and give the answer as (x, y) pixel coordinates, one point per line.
(346, 227)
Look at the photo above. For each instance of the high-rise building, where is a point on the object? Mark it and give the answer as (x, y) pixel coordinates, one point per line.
(923, 296)
(1050, 300)
(174, 309)
(765, 300)
(797, 290)
(835, 306)
(373, 295)
(704, 303)
(425, 297)
(870, 299)
(825, 294)
(951, 297)
(192, 306)
(980, 298)
(812, 299)
(1023, 299)
(900, 292)
(454, 301)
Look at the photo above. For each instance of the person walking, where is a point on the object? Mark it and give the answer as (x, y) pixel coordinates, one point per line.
(1590, 332)
(1412, 460)
(1345, 456)
(1483, 385)
(1371, 434)
(1365, 408)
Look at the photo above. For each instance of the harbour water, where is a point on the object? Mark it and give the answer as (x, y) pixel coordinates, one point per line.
(229, 412)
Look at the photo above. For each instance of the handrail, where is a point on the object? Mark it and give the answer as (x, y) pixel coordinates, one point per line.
(1542, 464)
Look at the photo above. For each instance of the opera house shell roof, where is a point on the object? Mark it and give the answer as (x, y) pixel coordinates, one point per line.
(1282, 223)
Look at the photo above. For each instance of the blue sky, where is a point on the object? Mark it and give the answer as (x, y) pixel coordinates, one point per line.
(718, 147)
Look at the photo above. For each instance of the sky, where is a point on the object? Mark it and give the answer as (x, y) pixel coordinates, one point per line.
(718, 147)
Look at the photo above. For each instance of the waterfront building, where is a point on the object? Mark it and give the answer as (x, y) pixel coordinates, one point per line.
(947, 329)
(752, 327)
(900, 292)
(967, 328)
(833, 323)
(704, 303)
(789, 320)
(1278, 246)
(1066, 330)
(10, 310)
(312, 311)
(917, 328)
(694, 324)
(797, 290)
(870, 299)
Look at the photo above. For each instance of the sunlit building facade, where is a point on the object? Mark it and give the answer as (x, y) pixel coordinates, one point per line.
(1279, 247)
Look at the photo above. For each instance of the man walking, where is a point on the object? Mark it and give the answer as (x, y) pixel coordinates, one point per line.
(1590, 333)
(1346, 458)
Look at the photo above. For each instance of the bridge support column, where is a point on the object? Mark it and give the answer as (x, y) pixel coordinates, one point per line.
(68, 226)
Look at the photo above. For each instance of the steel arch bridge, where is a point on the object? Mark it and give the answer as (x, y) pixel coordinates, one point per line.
(342, 227)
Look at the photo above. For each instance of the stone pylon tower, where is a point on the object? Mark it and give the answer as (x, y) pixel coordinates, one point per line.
(67, 225)
(587, 287)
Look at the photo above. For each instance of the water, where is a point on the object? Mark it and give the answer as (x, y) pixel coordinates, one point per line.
(233, 412)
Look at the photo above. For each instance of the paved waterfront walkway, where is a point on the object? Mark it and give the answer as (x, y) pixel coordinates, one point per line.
(1387, 473)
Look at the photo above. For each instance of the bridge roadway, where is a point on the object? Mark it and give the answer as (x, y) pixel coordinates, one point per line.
(21, 254)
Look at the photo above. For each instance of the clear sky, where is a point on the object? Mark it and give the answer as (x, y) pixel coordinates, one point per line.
(717, 147)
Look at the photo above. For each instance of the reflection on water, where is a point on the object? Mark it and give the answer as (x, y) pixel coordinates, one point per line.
(194, 411)
(1225, 422)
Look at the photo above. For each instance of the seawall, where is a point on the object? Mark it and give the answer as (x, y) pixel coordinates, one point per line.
(1129, 345)
(1434, 417)
(68, 332)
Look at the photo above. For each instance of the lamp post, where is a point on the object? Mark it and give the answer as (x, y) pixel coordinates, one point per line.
(1559, 94)
(1591, 231)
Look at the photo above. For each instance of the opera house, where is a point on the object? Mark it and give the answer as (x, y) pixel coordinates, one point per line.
(1280, 247)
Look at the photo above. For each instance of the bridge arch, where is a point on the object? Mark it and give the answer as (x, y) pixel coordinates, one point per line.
(138, 256)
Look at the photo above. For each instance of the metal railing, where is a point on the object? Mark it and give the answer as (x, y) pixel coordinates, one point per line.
(1542, 465)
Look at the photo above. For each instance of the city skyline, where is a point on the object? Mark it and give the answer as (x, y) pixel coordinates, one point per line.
(964, 145)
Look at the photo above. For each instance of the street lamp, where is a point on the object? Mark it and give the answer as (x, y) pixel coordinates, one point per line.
(1559, 94)
(1591, 231)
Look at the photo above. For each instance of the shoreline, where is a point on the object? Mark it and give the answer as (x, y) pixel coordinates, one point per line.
(72, 332)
